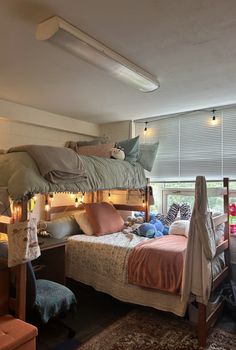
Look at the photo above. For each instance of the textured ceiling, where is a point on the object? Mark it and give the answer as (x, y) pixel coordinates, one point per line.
(188, 44)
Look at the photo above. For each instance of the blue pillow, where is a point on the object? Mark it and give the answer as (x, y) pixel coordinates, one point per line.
(147, 155)
(131, 149)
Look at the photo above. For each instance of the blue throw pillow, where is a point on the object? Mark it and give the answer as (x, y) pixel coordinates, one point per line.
(147, 155)
(131, 149)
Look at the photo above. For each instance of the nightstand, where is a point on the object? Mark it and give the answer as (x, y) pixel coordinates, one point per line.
(51, 263)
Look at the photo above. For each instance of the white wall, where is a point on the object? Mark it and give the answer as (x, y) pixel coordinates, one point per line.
(15, 134)
(26, 114)
(116, 131)
(26, 125)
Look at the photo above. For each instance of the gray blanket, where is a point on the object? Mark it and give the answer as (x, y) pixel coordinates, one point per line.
(20, 174)
(55, 164)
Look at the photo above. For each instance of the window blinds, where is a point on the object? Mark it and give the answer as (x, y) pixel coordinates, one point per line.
(191, 145)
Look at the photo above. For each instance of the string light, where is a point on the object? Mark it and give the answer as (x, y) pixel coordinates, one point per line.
(47, 207)
(214, 121)
(76, 202)
(145, 128)
(82, 198)
(143, 203)
(109, 195)
(51, 197)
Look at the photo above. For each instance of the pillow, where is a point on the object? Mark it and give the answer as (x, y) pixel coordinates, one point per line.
(131, 149)
(179, 227)
(61, 227)
(147, 155)
(102, 150)
(75, 145)
(104, 218)
(84, 223)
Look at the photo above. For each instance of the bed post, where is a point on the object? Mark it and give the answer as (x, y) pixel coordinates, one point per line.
(147, 201)
(202, 325)
(205, 322)
(21, 275)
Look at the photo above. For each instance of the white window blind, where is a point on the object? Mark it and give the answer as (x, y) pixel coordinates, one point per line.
(229, 142)
(191, 145)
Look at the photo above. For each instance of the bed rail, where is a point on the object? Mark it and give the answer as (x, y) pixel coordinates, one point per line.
(206, 322)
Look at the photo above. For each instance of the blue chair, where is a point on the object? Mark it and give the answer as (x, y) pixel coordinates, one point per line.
(45, 299)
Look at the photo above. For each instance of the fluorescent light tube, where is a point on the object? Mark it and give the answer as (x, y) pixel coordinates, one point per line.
(83, 45)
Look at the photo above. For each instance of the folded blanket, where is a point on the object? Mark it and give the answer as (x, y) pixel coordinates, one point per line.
(158, 263)
(56, 164)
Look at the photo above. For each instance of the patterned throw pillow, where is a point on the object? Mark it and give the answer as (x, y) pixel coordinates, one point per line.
(172, 214)
(185, 211)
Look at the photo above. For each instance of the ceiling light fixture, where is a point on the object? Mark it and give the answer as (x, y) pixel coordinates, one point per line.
(74, 40)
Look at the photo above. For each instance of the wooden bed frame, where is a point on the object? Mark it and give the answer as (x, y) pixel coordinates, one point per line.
(204, 321)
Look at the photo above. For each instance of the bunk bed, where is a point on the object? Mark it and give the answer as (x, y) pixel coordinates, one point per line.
(23, 180)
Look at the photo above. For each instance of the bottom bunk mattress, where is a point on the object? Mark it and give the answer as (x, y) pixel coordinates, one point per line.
(102, 262)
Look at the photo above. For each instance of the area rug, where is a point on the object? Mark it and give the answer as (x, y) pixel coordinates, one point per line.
(147, 329)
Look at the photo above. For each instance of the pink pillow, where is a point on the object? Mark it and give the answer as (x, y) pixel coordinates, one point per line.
(102, 150)
(84, 223)
(104, 218)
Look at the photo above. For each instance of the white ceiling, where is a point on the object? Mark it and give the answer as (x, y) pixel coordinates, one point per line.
(188, 44)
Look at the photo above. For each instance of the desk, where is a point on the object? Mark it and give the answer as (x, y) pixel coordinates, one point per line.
(51, 264)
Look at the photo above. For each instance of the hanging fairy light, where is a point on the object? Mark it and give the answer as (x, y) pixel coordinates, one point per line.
(47, 206)
(82, 198)
(214, 120)
(145, 128)
(76, 202)
(51, 197)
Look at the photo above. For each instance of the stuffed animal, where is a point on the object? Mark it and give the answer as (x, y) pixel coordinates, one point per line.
(151, 230)
(117, 153)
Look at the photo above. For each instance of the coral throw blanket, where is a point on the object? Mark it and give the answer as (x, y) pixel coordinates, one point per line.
(158, 263)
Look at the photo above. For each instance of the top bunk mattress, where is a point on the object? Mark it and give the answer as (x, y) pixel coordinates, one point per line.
(20, 175)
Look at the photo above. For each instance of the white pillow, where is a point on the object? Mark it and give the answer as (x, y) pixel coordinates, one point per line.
(179, 227)
(83, 222)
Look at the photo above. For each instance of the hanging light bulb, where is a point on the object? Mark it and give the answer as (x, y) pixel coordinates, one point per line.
(82, 197)
(76, 202)
(145, 129)
(51, 197)
(144, 203)
(47, 207)
(214, 121)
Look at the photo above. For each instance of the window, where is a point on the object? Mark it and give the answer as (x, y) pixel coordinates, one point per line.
(191, 145)
(167, 193)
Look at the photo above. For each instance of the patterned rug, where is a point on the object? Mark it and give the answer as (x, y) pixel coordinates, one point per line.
(144, 329)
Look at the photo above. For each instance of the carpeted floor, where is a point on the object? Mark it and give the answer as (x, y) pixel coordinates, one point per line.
(147, 329)
(104, 323)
